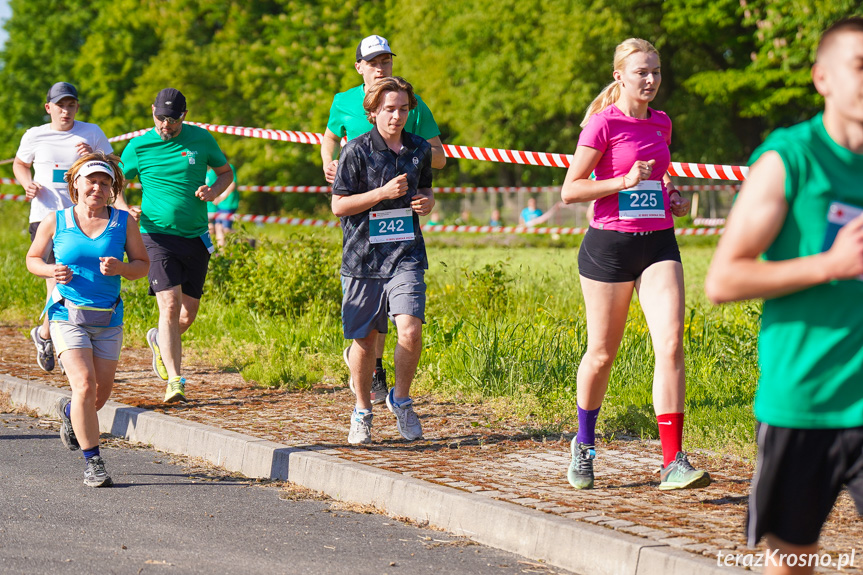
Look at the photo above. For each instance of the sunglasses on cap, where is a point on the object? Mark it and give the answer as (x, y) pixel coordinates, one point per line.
(171, 120)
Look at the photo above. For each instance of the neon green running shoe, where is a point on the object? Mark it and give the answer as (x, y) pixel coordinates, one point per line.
(158, 365)
(176, 390)
(681, 475)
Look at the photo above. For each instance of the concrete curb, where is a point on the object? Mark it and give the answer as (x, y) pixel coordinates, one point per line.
(564, 543)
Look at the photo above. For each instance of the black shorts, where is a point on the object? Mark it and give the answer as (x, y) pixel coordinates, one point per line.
(32, 229)
(177, 261)
(799, 475)
(610, 256)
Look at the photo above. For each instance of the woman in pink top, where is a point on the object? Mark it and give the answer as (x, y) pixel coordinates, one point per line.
(630, 245)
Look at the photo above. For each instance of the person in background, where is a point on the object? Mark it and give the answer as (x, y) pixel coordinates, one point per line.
(49, 150)
(530, 213)
(495, 220)
(85, 311)
(221, 210)
(630, 246)
(795, 238)
(348, 118)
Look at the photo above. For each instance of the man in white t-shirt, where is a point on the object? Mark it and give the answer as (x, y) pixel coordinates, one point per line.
(50, 150)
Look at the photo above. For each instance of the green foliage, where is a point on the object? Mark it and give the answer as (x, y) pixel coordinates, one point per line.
(488, 286)
(518, 76)
(278, 278)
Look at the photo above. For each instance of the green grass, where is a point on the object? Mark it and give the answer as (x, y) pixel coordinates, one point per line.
(505, 326)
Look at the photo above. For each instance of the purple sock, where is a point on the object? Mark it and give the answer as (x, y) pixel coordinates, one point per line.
(69, 409)
(587, 425)
(92, 452)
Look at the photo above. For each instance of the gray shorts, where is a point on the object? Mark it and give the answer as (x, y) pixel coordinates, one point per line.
(368, 302)
(105, 342)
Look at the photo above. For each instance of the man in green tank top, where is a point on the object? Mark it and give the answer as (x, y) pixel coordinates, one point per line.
(795, 238)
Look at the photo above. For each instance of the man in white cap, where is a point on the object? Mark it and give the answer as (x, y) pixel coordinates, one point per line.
(171, 162)
(348, 118)
(44, 155)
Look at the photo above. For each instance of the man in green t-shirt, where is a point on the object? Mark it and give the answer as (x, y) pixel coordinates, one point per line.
(221, 210)
(171, 162)
(795, 238)
(349, 118)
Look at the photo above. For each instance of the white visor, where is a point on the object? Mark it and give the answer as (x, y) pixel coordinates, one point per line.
(96, 167)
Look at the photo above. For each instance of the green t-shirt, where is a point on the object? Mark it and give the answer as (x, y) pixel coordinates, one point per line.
(229, 204)
(347, 116)
(171, 172)
(811, 344)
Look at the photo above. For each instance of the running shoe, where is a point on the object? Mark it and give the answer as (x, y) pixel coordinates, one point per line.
(95, 474)
(67, 434)
(361, 428)
(153, 342)
(580, 473)
(44, 350)
(407, 421)
(175, 390)
(350, 379)
(681, 475)
(379, 386)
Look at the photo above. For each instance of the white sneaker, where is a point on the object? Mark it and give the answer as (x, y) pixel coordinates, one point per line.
(350, 379)
(407, 421)
(361, 428)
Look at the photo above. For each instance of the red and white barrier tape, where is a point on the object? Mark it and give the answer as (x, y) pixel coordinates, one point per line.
(284, 220)
(681, 169)
(710, 222)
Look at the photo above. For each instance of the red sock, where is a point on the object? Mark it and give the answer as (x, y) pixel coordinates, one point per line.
(670, 435)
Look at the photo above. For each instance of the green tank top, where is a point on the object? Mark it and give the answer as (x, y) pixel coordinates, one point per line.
(811, 343)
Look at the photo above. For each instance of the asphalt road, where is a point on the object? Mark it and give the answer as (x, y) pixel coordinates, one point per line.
(167, 516)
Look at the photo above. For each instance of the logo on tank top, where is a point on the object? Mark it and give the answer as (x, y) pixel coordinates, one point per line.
(191, 155)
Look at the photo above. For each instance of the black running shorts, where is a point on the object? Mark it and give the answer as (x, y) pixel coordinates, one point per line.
(177, 261)
(798, 477)
(610, 256)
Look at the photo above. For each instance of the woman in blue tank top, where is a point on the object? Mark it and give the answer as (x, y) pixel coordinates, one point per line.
(85, 310)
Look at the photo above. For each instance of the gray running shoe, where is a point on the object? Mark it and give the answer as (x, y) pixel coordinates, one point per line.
(407, 421)
(350, 379)
(681, 475)
(379, 387)
(95, 474)
(580, 473)
(361, 428)
(67, 434)
(44, 350)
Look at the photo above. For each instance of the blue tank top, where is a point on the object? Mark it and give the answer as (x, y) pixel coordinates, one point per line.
(75, 249)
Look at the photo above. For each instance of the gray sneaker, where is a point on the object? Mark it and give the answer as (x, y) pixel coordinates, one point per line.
(379, 387)
(350, 379)
(44, 350)
(67, 434)
(95, 474)
(681, 475)
(580, 472)
(361, 428)
(407, 421)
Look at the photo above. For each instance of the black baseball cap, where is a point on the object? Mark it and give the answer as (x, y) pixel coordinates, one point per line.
(61, 90)
(170, 102)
